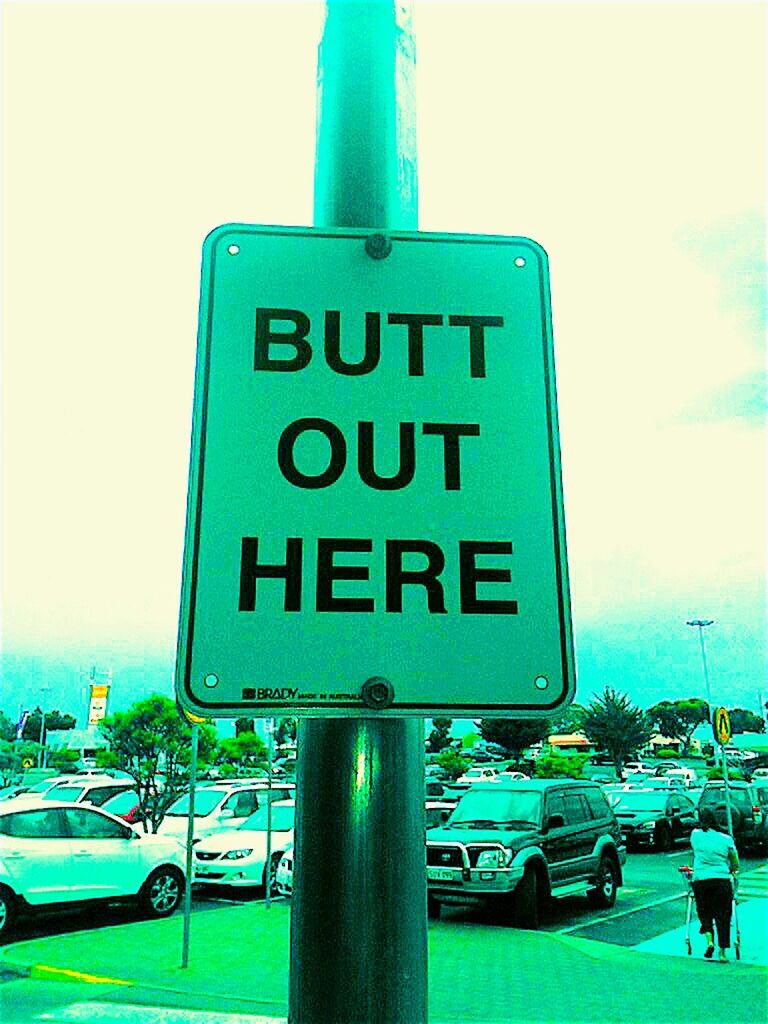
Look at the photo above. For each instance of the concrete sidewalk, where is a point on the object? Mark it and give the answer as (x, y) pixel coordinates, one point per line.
(239, 964)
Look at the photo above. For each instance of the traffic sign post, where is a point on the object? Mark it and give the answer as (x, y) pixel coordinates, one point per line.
(375, 479)
(358, 920)
(375, 526)
(194, 721)
(721, 727)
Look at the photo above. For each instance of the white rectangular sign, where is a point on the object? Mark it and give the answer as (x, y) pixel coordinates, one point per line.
(375, 479)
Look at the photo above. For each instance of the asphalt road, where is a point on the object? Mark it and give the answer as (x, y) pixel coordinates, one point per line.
(649, 903)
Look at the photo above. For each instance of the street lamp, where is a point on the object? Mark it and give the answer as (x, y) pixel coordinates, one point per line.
(45, 690)
(701, 624)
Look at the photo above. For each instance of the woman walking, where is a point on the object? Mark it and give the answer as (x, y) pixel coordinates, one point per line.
(715, 866)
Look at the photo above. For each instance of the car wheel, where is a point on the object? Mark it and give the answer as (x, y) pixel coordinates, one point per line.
(662, 839)
(161, 893)
(433, 908)
(604, 893)
(274, 861)
(7, 912)
(525, 901)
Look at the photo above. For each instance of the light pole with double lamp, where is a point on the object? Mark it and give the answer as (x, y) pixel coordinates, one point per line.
(701, 624)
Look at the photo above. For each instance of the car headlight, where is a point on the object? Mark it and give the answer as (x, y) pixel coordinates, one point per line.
(648, 825)
(237, 854)
(493, 859)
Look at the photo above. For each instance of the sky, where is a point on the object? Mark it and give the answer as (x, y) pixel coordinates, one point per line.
(626, 138)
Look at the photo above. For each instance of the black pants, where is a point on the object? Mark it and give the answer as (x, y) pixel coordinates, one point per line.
(714, 898)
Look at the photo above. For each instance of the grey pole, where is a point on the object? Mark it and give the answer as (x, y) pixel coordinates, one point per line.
(700, 624)
(45, 690)
(190, 837)
(358, 926)
(270, 725)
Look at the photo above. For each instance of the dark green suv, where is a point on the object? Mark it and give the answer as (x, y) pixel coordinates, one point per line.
(749, 809)
(518, 843)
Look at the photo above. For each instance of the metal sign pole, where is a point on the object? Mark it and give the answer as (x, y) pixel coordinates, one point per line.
(190, 837)
(727, 790)
(270, 724)
(358, 926)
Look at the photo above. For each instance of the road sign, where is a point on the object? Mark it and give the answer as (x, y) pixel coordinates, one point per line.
(375, 515)
(721, 725)
(27, 762)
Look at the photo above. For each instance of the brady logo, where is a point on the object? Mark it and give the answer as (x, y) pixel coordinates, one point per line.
(277, 693)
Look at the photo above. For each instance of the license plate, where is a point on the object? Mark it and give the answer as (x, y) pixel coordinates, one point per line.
(440, 874)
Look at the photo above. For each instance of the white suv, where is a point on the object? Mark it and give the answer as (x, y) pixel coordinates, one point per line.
(64, 853)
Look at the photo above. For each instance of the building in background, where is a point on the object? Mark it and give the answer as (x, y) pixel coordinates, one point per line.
(85, 741)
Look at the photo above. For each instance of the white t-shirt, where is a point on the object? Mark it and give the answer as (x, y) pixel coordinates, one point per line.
(710, 854)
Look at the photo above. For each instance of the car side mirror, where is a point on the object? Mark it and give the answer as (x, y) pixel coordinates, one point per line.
(554, 821)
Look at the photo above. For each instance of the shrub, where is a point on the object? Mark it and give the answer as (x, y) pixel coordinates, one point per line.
(666, 753)
(63, 760)
(454, 763)
(560, 766)
(733, 773)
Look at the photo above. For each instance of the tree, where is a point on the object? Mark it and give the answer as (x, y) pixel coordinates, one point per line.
(615, 725)
(247, 751)
(54, 720)
(244, 725)
(285, 731)
(677, 719)
(439, 737)
(151, 738)
(514, 734)
(568, 720)
(745, 721)
(7, 728)
(8, 761)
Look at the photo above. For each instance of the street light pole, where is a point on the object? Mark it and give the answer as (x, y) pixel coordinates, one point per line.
(40, 754)
(701, 624)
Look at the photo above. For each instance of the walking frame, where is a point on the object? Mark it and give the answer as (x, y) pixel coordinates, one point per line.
(687, 872)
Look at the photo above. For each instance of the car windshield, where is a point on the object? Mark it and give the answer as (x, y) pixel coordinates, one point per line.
(640, 802)
(66, 793)
(716, 795)
(206, 801)
(282, 819)
(39, 787)
(122, 802)
(484, 808)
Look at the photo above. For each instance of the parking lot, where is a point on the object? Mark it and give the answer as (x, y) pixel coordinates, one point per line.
(647, 904)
